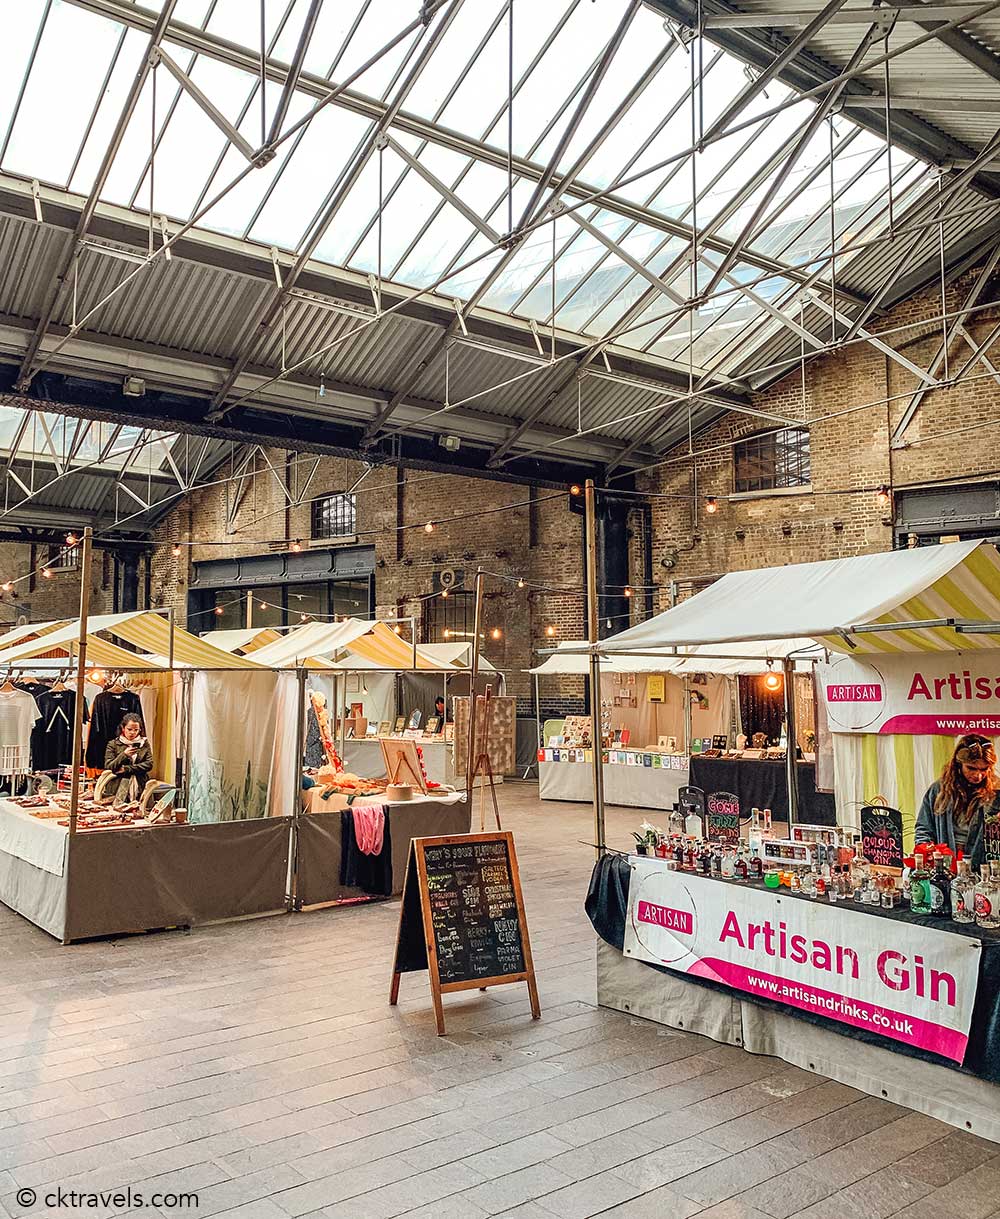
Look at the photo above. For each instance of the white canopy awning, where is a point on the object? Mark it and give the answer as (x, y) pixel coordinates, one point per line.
(248, 639)
(457, 654)
(738, 658)
(834, 601)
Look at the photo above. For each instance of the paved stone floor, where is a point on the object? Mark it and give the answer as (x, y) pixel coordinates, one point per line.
(258, 1065)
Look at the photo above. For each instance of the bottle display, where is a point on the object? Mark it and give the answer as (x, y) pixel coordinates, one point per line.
(728, 863)
(740, 867)
(755, 868)
(963, 894)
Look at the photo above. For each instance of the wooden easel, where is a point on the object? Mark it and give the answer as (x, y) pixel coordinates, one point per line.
(482, 764)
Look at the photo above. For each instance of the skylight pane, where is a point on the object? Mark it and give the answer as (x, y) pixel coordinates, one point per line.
(74, 51)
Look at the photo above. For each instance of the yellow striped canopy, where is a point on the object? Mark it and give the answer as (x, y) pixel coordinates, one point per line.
(833, 602)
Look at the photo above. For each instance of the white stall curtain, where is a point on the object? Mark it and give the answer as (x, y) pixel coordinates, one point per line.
(233, 723)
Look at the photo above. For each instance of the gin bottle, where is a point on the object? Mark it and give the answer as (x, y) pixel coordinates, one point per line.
(920, 889)
(963, 894)
(939, 886)
(988, 897)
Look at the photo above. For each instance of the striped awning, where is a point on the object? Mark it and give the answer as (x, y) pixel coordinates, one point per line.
(384, 648)
(247, 640)
(930, 599)
(312, 645)
(148, 631)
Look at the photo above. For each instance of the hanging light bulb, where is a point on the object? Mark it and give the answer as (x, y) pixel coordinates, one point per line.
(883, 497)
(9, 586)
(447, 633)
(520, 583)
(628, 591)
(263, 605)
(429, 527)
(609, 624)
(550, 631)
(321, 392)
(495, 633)
(304, 617)
(296, 546)
(711, 505)
(398, 629)
(175, 550)
(575, 489)
(444, 592)
(219, 611)
(71, 539)
(46, 573)
(772, 681)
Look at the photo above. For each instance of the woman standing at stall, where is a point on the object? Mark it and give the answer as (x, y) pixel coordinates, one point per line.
(962, 809)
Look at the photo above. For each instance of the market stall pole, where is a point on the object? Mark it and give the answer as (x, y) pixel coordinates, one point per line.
(596, 738)
(81, 671)
(791, 773)
(470, 760)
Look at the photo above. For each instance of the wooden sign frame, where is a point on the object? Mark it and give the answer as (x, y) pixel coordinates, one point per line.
(402, 763)
(417, 858)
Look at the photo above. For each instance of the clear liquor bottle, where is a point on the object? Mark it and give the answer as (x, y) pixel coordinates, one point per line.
(963, 894)
(988, 897)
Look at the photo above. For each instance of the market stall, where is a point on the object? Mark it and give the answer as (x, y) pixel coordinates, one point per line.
(914, 637)
(166, 872)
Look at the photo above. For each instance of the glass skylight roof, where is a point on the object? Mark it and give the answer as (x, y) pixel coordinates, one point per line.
(66, 73)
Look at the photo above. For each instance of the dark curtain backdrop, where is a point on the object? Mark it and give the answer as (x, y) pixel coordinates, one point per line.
(761, 710)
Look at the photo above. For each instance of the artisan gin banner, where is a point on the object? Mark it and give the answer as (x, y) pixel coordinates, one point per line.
(919, 694)
(907, 982)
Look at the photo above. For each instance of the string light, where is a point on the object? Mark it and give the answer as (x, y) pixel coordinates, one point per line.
(772, 681)
(520, 583)
(71, 539)
(628, 591)
(46, 572)
(398, 629)
(711, 505)
(883, 497)
(550, 631)
(8, 587)
(575, 489)
(219, 611)
(495, 633)
(429, 527)
(446, 633)
(296, 546)
(444, 592)
(175, 550)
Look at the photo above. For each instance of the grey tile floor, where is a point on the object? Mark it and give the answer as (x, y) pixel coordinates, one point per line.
(259, 1066)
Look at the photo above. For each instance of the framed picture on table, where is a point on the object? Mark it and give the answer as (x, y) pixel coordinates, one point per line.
(433, 726)
(402, 763)
(400, 723)
(385, 727)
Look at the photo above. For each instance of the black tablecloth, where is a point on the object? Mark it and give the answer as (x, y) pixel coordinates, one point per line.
(761, 784)
(607, 905)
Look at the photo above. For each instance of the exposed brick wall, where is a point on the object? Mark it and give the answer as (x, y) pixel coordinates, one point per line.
(504, 528)
(53, 598)
(865, 393)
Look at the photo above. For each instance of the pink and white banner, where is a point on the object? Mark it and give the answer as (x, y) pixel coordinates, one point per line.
(943, 694)
(907, 982)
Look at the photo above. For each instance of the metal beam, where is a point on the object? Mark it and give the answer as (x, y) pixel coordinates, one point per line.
(295, 69)
(790, 18)
(444, 191)
(930, 382)
(158, 55)
(927, 101)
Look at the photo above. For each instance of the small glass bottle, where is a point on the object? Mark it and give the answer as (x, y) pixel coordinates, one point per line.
(860, 871)
(794, 881)
(963, 894)
(690, 856)
(715, 863)
(741, 868)
(728, 863)
(807, 882)
(833, 888)
(988, 897)
(755, 868)
(920, 893)
(940, 888)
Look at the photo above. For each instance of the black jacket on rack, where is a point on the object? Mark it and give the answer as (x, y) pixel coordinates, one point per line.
(52, 735)
(105, 719)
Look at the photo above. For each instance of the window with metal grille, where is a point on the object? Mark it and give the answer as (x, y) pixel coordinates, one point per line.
(450, 619)
(63, 558)
(334, 516)
(773, 461)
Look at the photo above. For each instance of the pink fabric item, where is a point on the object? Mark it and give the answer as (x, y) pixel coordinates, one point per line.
(369, 827)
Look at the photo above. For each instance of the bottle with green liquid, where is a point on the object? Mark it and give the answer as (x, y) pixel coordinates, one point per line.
(920, 888)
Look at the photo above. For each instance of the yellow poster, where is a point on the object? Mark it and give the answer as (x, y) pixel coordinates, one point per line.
(656, 688)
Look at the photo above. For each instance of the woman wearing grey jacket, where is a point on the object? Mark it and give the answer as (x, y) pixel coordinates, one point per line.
(962, 809)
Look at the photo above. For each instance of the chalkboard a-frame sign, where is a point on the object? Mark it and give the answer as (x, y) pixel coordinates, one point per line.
(462, 918)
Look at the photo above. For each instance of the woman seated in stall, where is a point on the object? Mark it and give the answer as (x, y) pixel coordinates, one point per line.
(129, 759)
(962, 809)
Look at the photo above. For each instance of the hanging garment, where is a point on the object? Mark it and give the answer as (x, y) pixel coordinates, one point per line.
(18, 712)
(52, 736)
(35, 688)
(369, 827)
(371, 873)
(105, 720)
